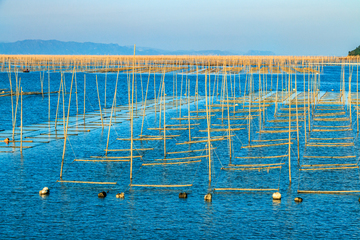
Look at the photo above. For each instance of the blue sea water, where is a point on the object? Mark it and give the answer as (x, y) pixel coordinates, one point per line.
(75, 211)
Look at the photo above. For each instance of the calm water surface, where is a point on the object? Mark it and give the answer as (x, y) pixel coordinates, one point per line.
(75, 211)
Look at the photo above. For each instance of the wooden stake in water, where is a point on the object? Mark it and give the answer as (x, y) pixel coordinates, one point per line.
(12, 103)
(357, 96)
(250, 101)
(76, 96)
(228, 117)
(289, 90)
(304, 107)
(49, 94)
(350, 75)
(105, 86)
(66, 128)
(131, 117)
(101, 116)
(188, 93)
(297, 121)
(58, 102)
(208, 127)
(111, 114)
(21, 129)
(84, 96)
(147, 88)
(164, 117)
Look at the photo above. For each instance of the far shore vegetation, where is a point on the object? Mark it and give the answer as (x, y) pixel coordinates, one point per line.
(355, 52)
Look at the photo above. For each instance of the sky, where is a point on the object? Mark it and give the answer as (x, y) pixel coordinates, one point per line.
(285, 27)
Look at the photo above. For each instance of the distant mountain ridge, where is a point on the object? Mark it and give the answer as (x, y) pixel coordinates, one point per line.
(55, 47)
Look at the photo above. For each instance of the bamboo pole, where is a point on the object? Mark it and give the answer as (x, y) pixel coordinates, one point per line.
(297, 121)
(208, 128)
(188, 93)
(163, 85)
(105, 87)
(66, 127)
(249, 117)
(76, 95)
(169, 163)
(289, 149)
(147, 87)
(58, 102)
(327, 192)
(131, 116)
(246, 189)
(84, 96)
(350, 118)
(21, 128)
(167, 186)
(111, 114)
(357, 96)
(97, 89)
(12, 103)
(49, 97)
(105, 183)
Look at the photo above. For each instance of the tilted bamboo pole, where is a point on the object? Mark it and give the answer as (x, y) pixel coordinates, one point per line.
(101, 116)
(66, 128)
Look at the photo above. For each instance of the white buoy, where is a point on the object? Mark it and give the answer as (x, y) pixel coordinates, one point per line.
(276, 196)
(44, 191)
(208, 197)
(120, 195)
(298, 199)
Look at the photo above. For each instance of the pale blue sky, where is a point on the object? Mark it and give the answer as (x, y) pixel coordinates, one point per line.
(286, 27)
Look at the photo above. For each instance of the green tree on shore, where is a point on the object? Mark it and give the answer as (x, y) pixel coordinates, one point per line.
(355, 52)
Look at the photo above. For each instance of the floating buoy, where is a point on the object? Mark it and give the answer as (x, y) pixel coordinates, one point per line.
(276, 196)
(183, 195)
(6, 140)
(298, 199)
(102, 194)
(44, 191)
(208, 197)
(120, 195)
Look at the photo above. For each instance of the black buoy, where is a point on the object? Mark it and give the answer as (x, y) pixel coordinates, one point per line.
(183, 195)
(120, 195)
(102, 194)
(298, 199)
